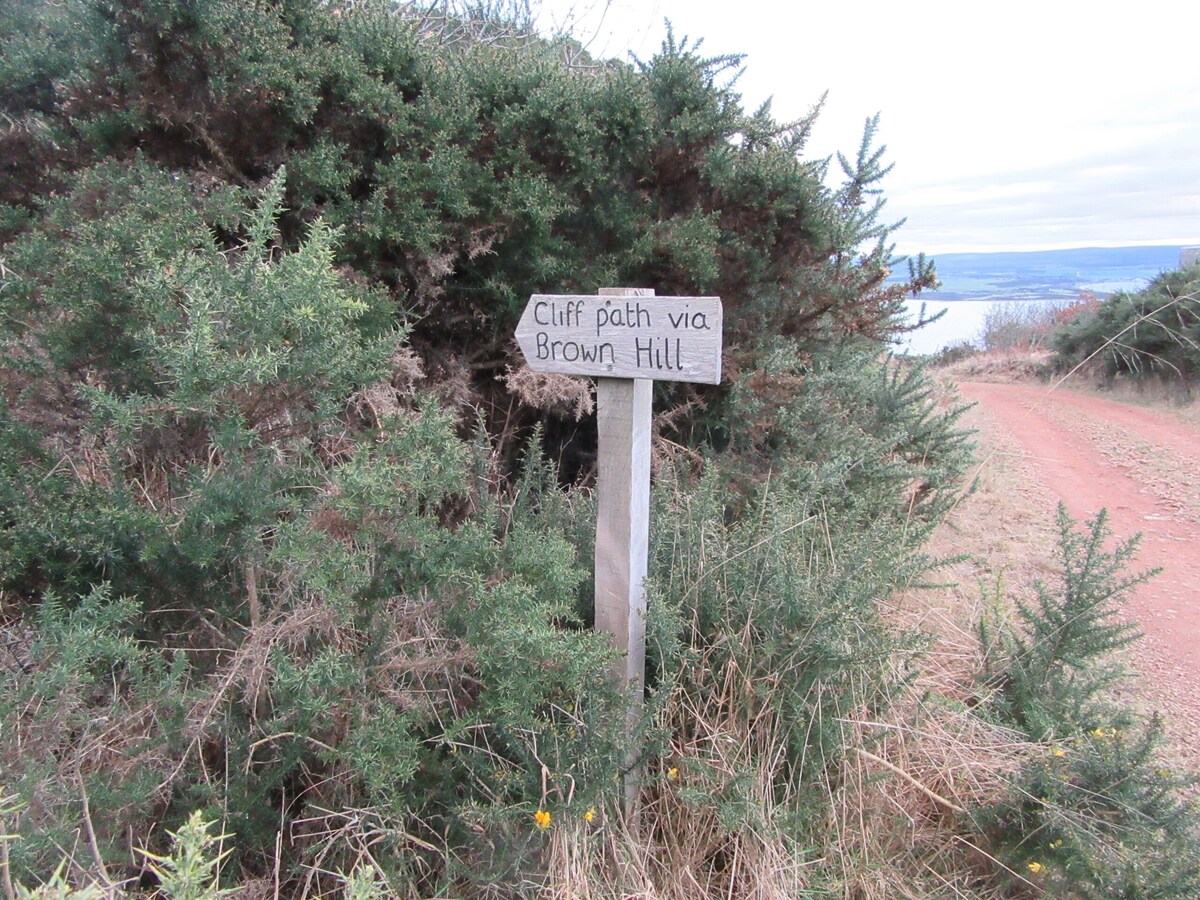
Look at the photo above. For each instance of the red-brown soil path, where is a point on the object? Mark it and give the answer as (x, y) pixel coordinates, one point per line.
(1143, 466)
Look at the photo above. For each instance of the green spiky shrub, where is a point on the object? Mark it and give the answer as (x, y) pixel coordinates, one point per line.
(278, 545)
(1147, 335)
(463, 167)
(307, 595)
(770, 587)
(189, 872)
(1096, 813)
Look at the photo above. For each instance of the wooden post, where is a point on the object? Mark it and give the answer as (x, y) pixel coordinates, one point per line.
(623, 512)
(623, 411)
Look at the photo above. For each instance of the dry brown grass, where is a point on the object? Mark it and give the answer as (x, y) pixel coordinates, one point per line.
(903, 807)
(1036, 367)
(1165, 395)
(1001, 365)
(900, 805)
(708, 818)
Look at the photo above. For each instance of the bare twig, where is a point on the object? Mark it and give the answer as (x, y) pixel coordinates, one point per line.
(1116, 338)
(91, 834)
(936, 798)
(10, 892)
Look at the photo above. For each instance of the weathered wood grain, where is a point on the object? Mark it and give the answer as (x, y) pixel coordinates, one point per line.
(623, 410)
(623, 335)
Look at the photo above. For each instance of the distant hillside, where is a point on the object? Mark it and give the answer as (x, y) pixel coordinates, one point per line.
(1049, 274)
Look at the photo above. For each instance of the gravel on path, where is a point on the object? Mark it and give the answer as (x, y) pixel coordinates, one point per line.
(1143, 466)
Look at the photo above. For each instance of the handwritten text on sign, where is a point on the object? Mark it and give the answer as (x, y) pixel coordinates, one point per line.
(666, 338)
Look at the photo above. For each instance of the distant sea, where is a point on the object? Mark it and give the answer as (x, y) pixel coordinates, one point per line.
(972, 283)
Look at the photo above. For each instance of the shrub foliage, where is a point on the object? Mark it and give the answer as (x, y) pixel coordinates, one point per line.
(1152, 333)
(1095, 812)
(283, 552)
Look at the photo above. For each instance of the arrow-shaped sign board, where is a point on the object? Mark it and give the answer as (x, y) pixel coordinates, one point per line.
(626, 336)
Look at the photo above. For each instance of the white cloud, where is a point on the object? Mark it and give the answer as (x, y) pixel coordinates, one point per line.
(1029, 123)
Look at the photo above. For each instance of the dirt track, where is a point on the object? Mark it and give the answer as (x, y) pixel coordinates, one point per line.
(1144, 467)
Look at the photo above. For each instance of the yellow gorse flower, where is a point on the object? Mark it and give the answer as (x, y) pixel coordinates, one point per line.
(672, 773)
(542, 819)
(1035, 867)
(590, 815)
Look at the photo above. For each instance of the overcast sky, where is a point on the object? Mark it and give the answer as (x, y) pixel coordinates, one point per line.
(1012, 126)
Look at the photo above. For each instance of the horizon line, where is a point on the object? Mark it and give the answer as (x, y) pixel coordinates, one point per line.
(1051, 247)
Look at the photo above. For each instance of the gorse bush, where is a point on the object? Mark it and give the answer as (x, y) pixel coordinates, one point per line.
(1055, 668)
(81, 696)
(1152, 333)
(328, 596)
(462, 174)
(788, 599)
(225, 388)
(1096, 812)
(868, 423)
(768, 637)
(284, 552)
(190, 871)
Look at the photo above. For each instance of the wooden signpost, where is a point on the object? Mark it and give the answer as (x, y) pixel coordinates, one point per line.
(626, 338)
